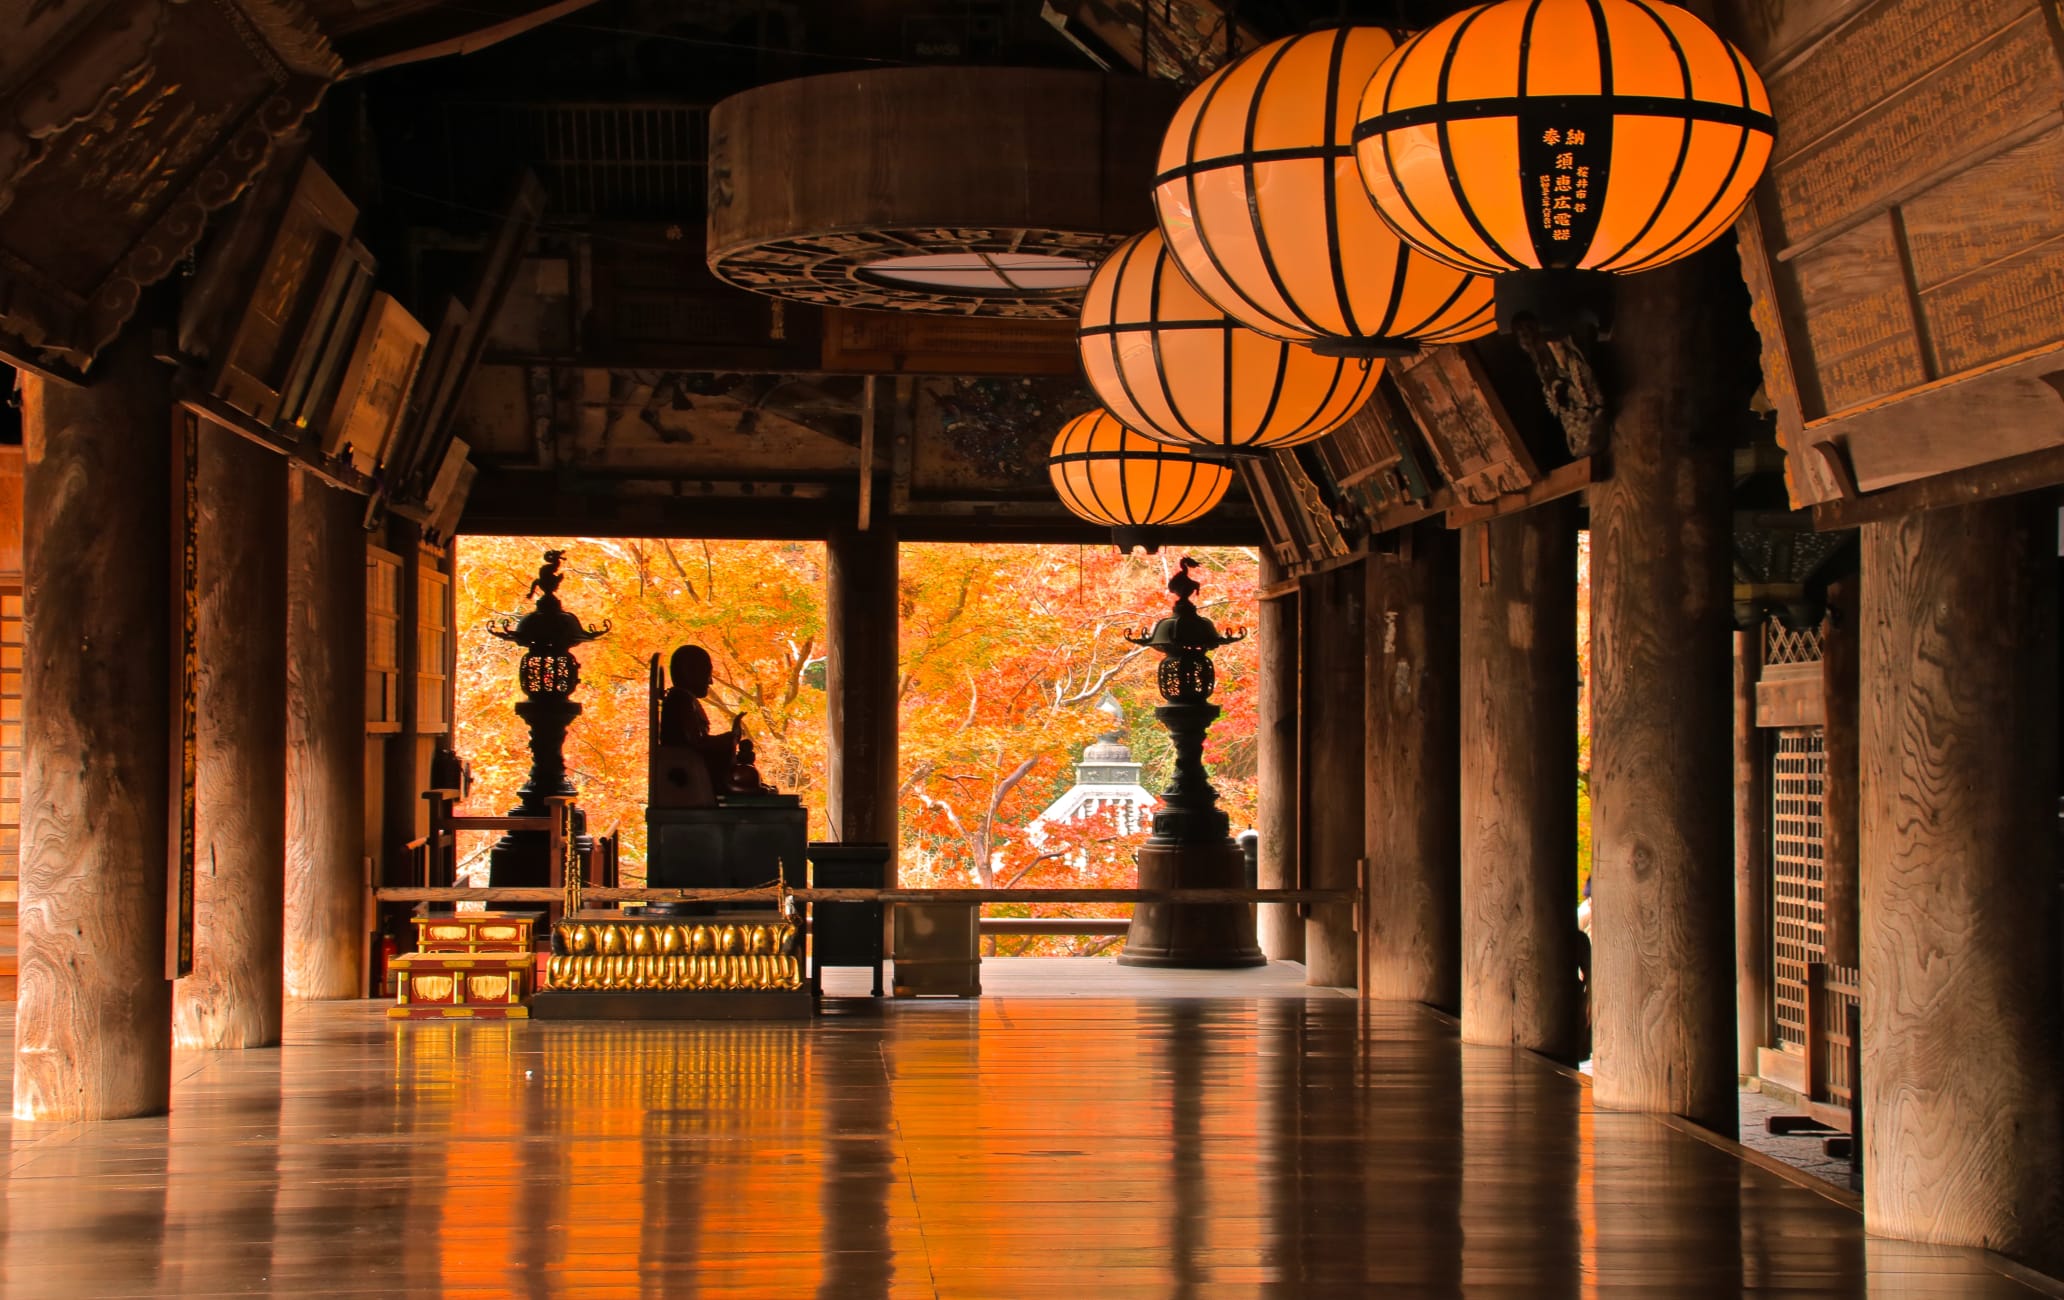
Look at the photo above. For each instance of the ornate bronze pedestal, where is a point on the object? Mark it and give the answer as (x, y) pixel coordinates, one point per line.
(1189, 848)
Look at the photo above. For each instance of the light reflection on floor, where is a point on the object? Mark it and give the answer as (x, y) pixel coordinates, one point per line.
(1012, 1147)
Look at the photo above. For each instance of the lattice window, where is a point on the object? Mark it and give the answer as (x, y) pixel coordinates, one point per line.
(433, 647)
(627, 161)
(1781, 645)
(1798, 777)
(383, 640)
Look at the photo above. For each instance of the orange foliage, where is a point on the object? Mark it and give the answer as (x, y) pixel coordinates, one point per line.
(1005, 653)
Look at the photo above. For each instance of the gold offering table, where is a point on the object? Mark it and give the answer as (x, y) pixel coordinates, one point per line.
(467, 965)
(610, 965)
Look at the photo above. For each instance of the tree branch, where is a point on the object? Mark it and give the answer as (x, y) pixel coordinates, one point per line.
(1003, 788)
(1102, 681)
(675, 560)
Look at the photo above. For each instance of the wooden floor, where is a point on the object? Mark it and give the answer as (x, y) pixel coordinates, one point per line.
(1012, 1147)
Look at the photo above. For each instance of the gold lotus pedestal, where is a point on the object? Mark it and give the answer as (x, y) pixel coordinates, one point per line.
(618, 966)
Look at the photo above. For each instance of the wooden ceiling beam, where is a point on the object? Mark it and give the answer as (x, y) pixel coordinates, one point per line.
(414, 30)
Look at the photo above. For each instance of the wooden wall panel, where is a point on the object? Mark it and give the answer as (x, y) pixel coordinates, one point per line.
(1909, 239)
(2014, 200)
(1933, 125)
(1865, 62)
(1859, 320)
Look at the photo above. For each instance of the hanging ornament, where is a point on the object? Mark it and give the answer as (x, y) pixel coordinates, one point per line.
(1107, 474)
(1172, 366)
(1258, 195)
(1563, 136)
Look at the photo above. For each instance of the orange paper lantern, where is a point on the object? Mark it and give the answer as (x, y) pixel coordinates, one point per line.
(1172, 366)
(1106, 473)
(1567, 135)
(1264, 210)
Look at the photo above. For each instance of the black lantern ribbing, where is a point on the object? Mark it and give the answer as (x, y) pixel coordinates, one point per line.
(549, 673)
(1189, 848)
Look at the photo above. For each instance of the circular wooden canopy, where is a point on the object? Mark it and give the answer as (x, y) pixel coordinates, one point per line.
(963, 191)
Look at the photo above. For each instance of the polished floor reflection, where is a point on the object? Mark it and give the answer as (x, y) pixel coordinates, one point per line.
(1006, 1148)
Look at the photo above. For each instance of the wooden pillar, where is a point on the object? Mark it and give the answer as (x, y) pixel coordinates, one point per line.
(1751, 861)
(325, 850)
(1840, 790)
(1963, 1088)
(1280, 925)
(1662, 907)
(1412, 918)
(861, 682)
(1331, 642)
(1518, 614)
(233, 997)
(93, 1023)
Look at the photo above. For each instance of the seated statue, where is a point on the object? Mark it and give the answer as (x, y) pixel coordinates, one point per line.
(745, 774)
(690, 765)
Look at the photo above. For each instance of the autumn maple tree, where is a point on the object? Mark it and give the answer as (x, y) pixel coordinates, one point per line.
(1006, 652)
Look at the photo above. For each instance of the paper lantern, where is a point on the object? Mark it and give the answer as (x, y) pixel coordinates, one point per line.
(1258, 194)
(1564, 135)
(1106, 473)
(1172, 366)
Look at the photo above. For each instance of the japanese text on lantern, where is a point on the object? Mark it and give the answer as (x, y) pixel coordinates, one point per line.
(1566, 187)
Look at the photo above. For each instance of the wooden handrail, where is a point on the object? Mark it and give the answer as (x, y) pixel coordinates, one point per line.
(1033, 926)
(970, 896)
(458, 823)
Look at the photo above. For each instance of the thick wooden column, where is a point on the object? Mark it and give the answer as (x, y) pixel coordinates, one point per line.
(1841, 792)
(1518, 614)
(1963, 1089)
(93, 1023)
(1751, 861)
(1662, 822)
(1412, 920)
(325, 850)
(1280, 925)
(860, 680)
(1331, 642)
(233, 997)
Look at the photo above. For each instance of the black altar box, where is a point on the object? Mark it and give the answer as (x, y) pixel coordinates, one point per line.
(847, 934)
(745, 842)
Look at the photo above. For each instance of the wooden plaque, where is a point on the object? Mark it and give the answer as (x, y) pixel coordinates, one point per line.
(303, 270)
(1477, 446)
(377, 379)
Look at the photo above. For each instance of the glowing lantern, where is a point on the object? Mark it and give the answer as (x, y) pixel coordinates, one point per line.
(1258, 194)
(1564, 135)
(1172, 366)
(1106, 473)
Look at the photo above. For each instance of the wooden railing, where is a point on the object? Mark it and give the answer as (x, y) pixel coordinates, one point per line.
(771, 895)
(433, 859)
(1064, 926)
(1833, 1046)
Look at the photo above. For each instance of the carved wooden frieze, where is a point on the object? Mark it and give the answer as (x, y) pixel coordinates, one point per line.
(122, 126)
(1903, 256)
